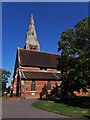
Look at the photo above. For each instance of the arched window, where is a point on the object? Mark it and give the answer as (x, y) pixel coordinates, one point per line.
(48, 85)
(33, 85)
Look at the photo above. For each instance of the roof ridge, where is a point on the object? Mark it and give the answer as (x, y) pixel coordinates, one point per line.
(40, 52)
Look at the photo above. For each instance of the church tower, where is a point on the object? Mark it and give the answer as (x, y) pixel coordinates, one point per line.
(31, 37)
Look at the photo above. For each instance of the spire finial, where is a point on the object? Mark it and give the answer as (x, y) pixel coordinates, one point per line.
(31, 19)
(31, 14)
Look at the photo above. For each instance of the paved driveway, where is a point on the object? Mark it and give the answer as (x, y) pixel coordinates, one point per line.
(23, 109)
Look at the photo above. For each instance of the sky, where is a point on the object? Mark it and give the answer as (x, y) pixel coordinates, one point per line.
(51, 19)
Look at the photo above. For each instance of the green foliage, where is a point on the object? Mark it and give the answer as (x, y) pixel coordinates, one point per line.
(4, 75)
(8, 95)
(75, 48)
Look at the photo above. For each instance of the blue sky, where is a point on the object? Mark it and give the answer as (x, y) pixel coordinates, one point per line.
(51, 19)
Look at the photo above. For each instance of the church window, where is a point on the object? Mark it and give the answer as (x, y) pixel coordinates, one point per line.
(33, 86)
(48, 85)
(22, 82)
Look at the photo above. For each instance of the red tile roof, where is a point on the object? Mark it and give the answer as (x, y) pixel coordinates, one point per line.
(40, 75)
(38, 59)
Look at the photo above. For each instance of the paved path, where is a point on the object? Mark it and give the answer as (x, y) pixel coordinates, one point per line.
(0, 109)
(23, 109)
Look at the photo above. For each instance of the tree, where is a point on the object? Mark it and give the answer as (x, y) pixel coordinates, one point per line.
(4, 75)
(75, 49)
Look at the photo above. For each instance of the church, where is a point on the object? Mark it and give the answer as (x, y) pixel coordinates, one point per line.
(34, 68)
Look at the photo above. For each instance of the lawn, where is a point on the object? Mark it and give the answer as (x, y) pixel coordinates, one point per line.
(61, 108)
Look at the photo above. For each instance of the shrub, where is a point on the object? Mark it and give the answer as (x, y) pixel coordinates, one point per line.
(8, 95)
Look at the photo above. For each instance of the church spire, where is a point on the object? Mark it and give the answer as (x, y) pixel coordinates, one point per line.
(31, 37)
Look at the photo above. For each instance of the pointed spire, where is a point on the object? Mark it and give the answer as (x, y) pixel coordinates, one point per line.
(32, 19)
(31, 37)
(31, 28)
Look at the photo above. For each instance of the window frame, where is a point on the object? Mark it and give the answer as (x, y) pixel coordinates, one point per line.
(48, 85)
(33, 85)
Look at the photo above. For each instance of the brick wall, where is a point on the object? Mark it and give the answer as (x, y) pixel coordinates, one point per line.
(26, 88)
(39, 85)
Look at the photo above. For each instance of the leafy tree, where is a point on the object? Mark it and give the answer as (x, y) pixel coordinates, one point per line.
(75, 62)
(4, 75)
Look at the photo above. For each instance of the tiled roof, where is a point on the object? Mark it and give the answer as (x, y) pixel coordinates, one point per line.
(37, 75)
(38, 59)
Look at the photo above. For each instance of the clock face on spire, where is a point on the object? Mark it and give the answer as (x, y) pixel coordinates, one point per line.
(31, 37)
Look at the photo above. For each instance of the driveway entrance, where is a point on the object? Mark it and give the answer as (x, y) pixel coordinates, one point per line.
(23, 109)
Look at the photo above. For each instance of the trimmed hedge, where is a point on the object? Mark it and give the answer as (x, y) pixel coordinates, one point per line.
(80, 101)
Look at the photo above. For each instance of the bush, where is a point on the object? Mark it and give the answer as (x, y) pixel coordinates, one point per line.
(8, 95)
(78, 101)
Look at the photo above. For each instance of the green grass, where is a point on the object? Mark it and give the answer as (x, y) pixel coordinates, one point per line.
(61, 108)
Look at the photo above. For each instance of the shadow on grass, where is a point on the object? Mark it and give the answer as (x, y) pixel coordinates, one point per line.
(88, 116)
